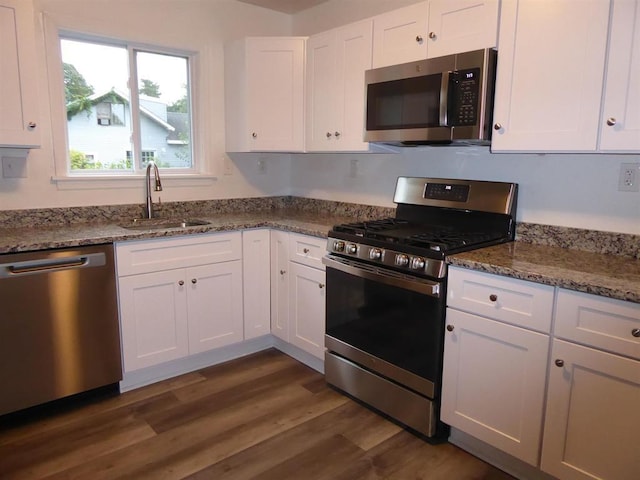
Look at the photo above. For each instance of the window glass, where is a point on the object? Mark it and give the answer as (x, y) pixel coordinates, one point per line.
(100, 118)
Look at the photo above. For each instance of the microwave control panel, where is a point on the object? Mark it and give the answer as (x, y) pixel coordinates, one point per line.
(464, 90)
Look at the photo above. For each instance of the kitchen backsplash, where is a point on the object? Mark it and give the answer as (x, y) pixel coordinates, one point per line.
(565, 237)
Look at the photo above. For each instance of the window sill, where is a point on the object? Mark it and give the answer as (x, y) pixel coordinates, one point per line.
(91, 182)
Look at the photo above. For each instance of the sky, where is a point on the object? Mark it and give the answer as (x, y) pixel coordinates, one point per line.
(105, 67)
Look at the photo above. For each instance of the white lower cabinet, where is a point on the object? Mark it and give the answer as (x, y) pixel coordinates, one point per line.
(256, 271)
(586, 425)
(494, 371)
(592, 426)
(167, 313)
(298, 291)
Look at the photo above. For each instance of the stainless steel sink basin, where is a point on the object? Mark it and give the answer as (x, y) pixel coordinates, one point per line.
(161, 223)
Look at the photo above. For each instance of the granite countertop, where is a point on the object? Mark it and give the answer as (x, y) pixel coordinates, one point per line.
(545, 260)
(608, 275)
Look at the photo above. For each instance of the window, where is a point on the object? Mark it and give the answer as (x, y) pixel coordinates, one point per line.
(125, 128)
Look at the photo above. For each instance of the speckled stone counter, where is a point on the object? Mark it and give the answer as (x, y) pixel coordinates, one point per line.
(614, 276)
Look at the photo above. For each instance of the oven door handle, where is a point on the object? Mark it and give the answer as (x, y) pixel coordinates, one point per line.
(376, 274)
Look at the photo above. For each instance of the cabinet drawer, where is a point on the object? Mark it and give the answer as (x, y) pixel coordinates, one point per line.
(519, 302)
(146, 256)
(600, 322)
(307, 250)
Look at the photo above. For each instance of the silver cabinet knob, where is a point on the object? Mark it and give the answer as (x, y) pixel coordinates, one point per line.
(282, 272)
(493, 297)
(254, 135)
(328, 134)
(497, 126)
(419, 38)
(181, 282)
(449, 328)
(337, 134)
(432, 35)
(611, 121)
(305, 250)
(194, 280)
(559, 363)
(31, 125)
(636, 332)
(321, 285)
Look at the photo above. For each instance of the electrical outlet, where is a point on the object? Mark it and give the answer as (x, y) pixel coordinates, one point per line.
(629, 180)
(353, 168)
(226, 165)
(262, 166)
(14, 167)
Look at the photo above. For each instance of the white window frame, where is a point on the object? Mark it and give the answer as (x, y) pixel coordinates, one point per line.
(199, 174)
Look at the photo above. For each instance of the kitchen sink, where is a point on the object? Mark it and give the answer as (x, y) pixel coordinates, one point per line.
(161, 223)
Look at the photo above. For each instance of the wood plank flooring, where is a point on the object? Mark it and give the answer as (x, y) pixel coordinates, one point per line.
(265, 416)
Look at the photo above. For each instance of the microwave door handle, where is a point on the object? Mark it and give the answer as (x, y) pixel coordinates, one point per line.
(444, 99)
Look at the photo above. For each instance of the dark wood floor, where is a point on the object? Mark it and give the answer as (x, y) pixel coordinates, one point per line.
(264, 416)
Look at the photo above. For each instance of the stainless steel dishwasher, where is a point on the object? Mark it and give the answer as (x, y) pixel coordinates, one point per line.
(59, 332)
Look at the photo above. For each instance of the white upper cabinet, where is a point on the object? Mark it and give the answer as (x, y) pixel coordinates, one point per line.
(549, 79)
(336, 62)
(264, 94)
(18, 76)
(461, 26)
(400, 36)
(433, 29)
(620, 122)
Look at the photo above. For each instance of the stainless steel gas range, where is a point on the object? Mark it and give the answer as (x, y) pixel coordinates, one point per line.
(386, 292)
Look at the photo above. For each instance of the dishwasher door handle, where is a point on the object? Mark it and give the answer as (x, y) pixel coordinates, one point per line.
(49, 265)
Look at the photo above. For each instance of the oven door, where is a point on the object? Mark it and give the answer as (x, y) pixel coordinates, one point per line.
(386, 322)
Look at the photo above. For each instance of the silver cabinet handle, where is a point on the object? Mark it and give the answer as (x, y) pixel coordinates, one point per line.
(282, 272)
(559, 363)
(611, 121)
(419, 38)
(450, 328)
(31, 125)
(337, 134)
(181, 282)
(497, 126)
(194, 280)
(432, 35)
(254, 135)
(636, 332)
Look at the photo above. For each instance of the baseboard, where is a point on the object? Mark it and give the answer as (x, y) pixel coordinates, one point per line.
(147, 376)
(497, 458)
(300, 355)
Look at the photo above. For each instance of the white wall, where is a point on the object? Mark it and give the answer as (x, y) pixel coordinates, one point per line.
(570, 190)
(202, 26)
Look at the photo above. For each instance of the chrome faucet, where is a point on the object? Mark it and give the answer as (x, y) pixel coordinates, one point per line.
(158, 186)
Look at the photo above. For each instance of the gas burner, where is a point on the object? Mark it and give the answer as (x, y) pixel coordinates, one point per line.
(369, 228)
(447, 241)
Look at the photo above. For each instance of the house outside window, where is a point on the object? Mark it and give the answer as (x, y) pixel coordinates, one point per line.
(152, 122)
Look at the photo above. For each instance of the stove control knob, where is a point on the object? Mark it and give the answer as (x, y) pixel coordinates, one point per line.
(375, 254)
(417, 263)
(352, 248)
(402, 260)
(338, 246)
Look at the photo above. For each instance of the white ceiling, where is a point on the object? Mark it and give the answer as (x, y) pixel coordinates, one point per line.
(285, 6)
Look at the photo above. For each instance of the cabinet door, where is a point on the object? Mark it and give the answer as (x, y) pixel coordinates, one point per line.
(214, 305)
(256, 274)
(153, 316)
(592, 426)
(18, 76)
(620, 123)
(321, 92)
(275, 72)
(550, 75)
(493, 383)
(280, 284)
(400, 36)
(461, 26)
(353, 57)
(307, 308)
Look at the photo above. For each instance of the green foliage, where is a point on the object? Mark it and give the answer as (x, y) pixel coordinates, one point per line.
(76, 91)
(79, 161)
(149, 88)
(180, 106)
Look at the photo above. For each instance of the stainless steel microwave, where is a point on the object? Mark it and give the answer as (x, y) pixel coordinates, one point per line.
(439, 100)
